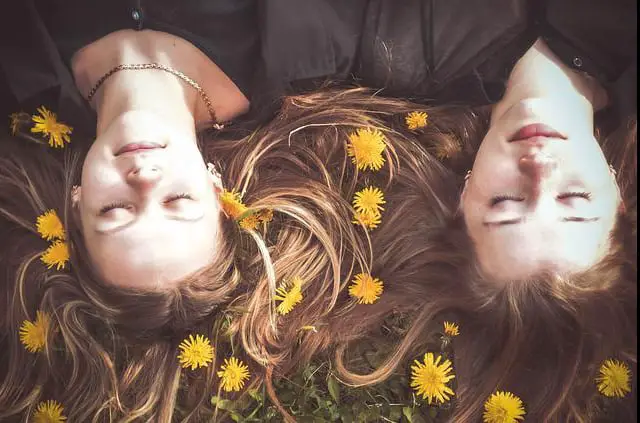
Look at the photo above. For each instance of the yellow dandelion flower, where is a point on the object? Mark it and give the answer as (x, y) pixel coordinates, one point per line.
(195, 352)
(232, 204)
(430, 377)
(265, 216)
(503, 407)
(367, 219)
(416, 120)
(47, 123)
(56, 255)
(614, 379)
(233, 374)
(49, 226)
(33, 335)
(451, 329)
(250, 222)
(289, 298)
(49, 412)
(366, 147)
(369, 199)
(366, 288)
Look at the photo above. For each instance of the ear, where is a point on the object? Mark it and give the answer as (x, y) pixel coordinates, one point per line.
(75, 202)
(75, 196)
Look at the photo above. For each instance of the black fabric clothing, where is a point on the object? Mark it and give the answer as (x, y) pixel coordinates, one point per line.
(458, 51)
(39, 38)
(450, 51)
(225, 30)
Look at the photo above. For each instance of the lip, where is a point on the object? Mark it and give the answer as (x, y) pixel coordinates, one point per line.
(536, 130)
(138, 146)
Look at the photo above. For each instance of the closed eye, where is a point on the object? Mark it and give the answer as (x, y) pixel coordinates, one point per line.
(120, 205)
(565, 195)
(519, 220)
(500, 198)
(177, 197)
(104, 210)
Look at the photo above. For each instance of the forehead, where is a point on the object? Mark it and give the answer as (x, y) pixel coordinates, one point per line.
(519, 250)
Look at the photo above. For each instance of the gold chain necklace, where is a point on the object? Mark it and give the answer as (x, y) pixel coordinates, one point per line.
(158, 66)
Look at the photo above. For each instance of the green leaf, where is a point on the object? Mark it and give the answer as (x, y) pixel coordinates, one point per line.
(407, 412)
(334, 412)
(256, 395)
(247, 213)
(334, 389)
(222, 404)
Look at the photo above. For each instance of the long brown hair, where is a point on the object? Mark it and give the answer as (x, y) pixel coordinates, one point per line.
(122, 345)
(111, 355)
(421, 196)
(542, 339)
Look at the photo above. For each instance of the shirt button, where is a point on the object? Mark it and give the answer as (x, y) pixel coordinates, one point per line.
(577, 62)
(135, 14)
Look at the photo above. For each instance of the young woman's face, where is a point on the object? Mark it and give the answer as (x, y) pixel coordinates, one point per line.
(149, 210)
(539, 203)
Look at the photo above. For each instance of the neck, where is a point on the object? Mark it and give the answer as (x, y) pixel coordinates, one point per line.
(539, 74)
(153, 90)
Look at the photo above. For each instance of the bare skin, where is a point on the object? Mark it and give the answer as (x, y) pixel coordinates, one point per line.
(543, 203)
(150, 216)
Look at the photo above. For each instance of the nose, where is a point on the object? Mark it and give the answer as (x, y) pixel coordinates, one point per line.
(144, 177)
(538, 167)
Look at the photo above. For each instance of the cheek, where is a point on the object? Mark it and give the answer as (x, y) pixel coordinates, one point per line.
(190, 171)
(100, 177)
(97, 170)
(492, 177)
(608, 204)
(492, 161)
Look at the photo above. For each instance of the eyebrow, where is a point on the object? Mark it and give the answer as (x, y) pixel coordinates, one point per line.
(522, 220)
(125, 226)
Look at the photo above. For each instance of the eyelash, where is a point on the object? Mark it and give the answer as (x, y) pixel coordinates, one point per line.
(565, 195)
(113, 206)
(501, 198)
(179, 196)
(585, 195)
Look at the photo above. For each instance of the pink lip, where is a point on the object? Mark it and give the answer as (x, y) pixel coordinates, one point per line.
(136, 146)
(537, 130)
